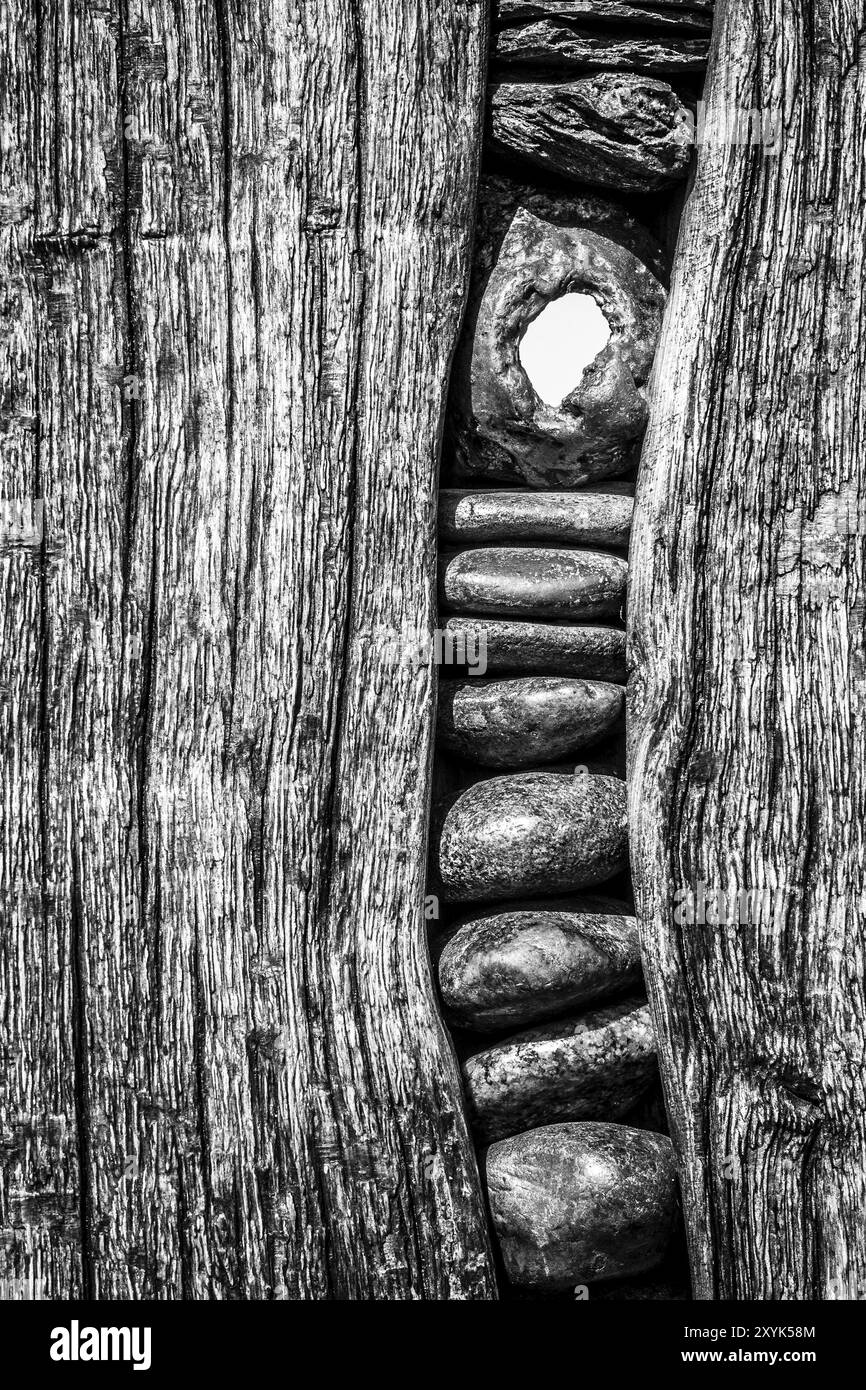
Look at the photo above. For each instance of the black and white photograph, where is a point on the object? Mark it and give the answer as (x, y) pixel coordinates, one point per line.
(433, 677)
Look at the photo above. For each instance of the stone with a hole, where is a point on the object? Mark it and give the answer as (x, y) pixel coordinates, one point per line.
(550, 383)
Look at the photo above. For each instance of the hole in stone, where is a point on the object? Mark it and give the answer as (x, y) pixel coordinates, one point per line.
(557, 346)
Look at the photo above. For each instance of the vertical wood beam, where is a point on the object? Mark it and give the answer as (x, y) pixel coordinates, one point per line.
(237, 239)
(747, 770)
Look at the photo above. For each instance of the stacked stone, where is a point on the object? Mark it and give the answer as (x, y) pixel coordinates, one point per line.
(540, 976)
(591, 90)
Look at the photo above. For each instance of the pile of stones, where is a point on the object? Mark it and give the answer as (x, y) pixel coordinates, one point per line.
(537, 951)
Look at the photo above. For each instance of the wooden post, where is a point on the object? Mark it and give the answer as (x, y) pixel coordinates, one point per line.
(234, 248)
(748, 777)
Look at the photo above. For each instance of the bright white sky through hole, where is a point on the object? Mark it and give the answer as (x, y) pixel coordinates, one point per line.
(564, 339)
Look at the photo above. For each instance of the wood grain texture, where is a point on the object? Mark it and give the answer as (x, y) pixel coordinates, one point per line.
(234, 244)
(747, 655)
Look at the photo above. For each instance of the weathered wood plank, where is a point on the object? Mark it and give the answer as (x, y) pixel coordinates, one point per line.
(747, 647)
(61, 451)
(223, 1017)
(421, 1221)
(189, 1220)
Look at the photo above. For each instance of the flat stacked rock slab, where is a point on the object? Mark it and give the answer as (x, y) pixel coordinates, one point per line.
(536, 719)
(556, 518)
(511, 968)
(563, 35)
(618, 130)
(595, 1067)
(508, 582)
(586, 650)
(677, 16)
(531, 833)
(581, 1203)
(552, 44)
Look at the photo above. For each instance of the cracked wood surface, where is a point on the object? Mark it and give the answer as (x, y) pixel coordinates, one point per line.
(748, 690)
(234, 243)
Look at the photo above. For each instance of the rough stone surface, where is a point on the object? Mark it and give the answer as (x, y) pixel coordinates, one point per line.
(510, 582)
(608, 757)
(557, 45)
(534, 719)
(499, 199)
(532, 832)
(595, 1067)
(552, 648)
(581, 1203)
(501, 428)
(615, 129)
(565, 518)
(509, 969)
(695, 15)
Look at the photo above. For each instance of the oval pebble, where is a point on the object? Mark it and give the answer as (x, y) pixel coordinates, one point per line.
(536, 719)
(569, 518)
(495, 645)
(576, 585)
(595, 1067)
(512, 968)
(532, 832)
(581, 1203)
